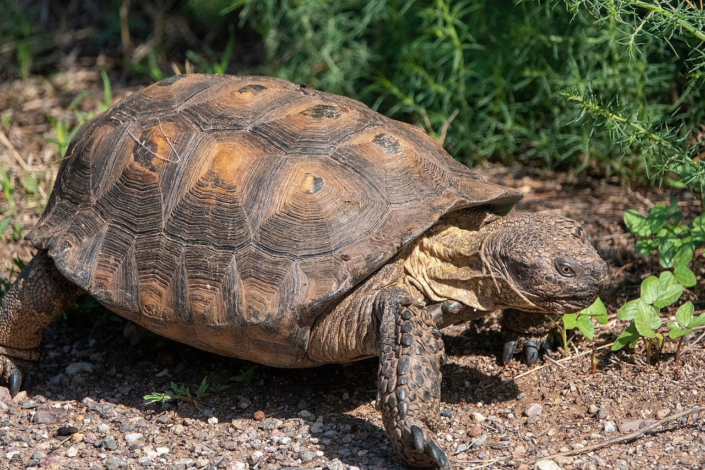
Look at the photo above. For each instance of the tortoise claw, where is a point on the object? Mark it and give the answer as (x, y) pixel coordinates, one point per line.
(15, 382)
(545, 345)
(437, 455)
(417, 436)
(531, 352)
(508, 351)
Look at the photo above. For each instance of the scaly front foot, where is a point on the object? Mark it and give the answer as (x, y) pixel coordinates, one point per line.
(409, 386)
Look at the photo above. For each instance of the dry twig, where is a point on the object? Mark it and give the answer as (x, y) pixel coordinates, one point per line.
(13, 152)
(625, 437)
(561, 360)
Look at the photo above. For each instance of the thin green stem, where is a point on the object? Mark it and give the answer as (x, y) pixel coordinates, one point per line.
(596, 109)
(680, 21)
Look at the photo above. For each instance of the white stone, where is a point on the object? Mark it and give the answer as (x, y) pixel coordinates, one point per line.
(212, 420)
(546, 465)
(133, 437)
(72, 451)
(76, 367)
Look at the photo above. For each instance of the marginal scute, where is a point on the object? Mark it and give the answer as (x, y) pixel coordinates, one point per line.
(230, 212)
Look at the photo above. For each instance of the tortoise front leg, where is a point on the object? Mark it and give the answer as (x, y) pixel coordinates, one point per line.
(409, 380)
(38, 294)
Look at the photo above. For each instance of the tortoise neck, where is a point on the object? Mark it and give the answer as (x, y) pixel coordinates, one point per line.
(447, 264)
(465, 265)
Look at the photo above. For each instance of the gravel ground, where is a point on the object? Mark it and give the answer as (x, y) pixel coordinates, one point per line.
(85, 408)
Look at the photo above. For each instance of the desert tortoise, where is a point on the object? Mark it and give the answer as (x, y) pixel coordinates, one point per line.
(259, 219)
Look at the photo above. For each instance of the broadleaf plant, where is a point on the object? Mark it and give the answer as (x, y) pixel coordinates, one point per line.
(644, 312)
(684, 324)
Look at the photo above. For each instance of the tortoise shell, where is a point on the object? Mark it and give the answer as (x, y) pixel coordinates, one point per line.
(230, 212)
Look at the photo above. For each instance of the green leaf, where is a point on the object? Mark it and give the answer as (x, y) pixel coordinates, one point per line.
(667, 251)
(585, 326)
(683, 255)
(677, 332)
(649, 289)
(669, 290)
(684, 315)
(698, 321)
(637, 223)
(645, 246)
(599, 312)
(659, 336)
(685, 276)
(569, 321)
(658, 216)
(646, 319)
(699, 228)
(628, 310)
(629, 336)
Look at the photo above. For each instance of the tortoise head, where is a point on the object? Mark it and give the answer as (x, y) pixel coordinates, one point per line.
(543, 264)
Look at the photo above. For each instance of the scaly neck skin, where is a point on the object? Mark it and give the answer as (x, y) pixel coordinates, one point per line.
(452, 263)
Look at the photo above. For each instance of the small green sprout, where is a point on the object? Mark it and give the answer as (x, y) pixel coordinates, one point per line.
(245, 376)
(583, 320)
(684, 324)
(181, 393)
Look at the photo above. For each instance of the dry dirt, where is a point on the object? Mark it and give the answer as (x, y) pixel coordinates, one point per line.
(84, 407)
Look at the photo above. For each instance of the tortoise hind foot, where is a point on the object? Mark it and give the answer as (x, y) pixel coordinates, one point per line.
(38, 294)
(12, 362)
(411, 353)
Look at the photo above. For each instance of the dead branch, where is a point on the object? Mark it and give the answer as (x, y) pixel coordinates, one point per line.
(624, 438)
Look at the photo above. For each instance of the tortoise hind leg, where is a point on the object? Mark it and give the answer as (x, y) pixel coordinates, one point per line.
(409, 381)
(38, 294)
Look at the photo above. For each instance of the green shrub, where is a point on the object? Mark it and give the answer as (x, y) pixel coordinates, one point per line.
(518, 80)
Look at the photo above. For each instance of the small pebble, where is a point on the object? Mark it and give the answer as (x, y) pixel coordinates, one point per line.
(133, 437)
(244, 403)
(258, 415)
(78, 367)
(474, 431)
(479, 441)
(212, 420)
(532, 412)
(546, 465)
(50, 416)
(66, 430)
(609, 427)
(109, 443)
(5, 395)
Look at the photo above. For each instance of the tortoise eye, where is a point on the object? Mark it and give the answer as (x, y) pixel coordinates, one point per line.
(565, 269)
